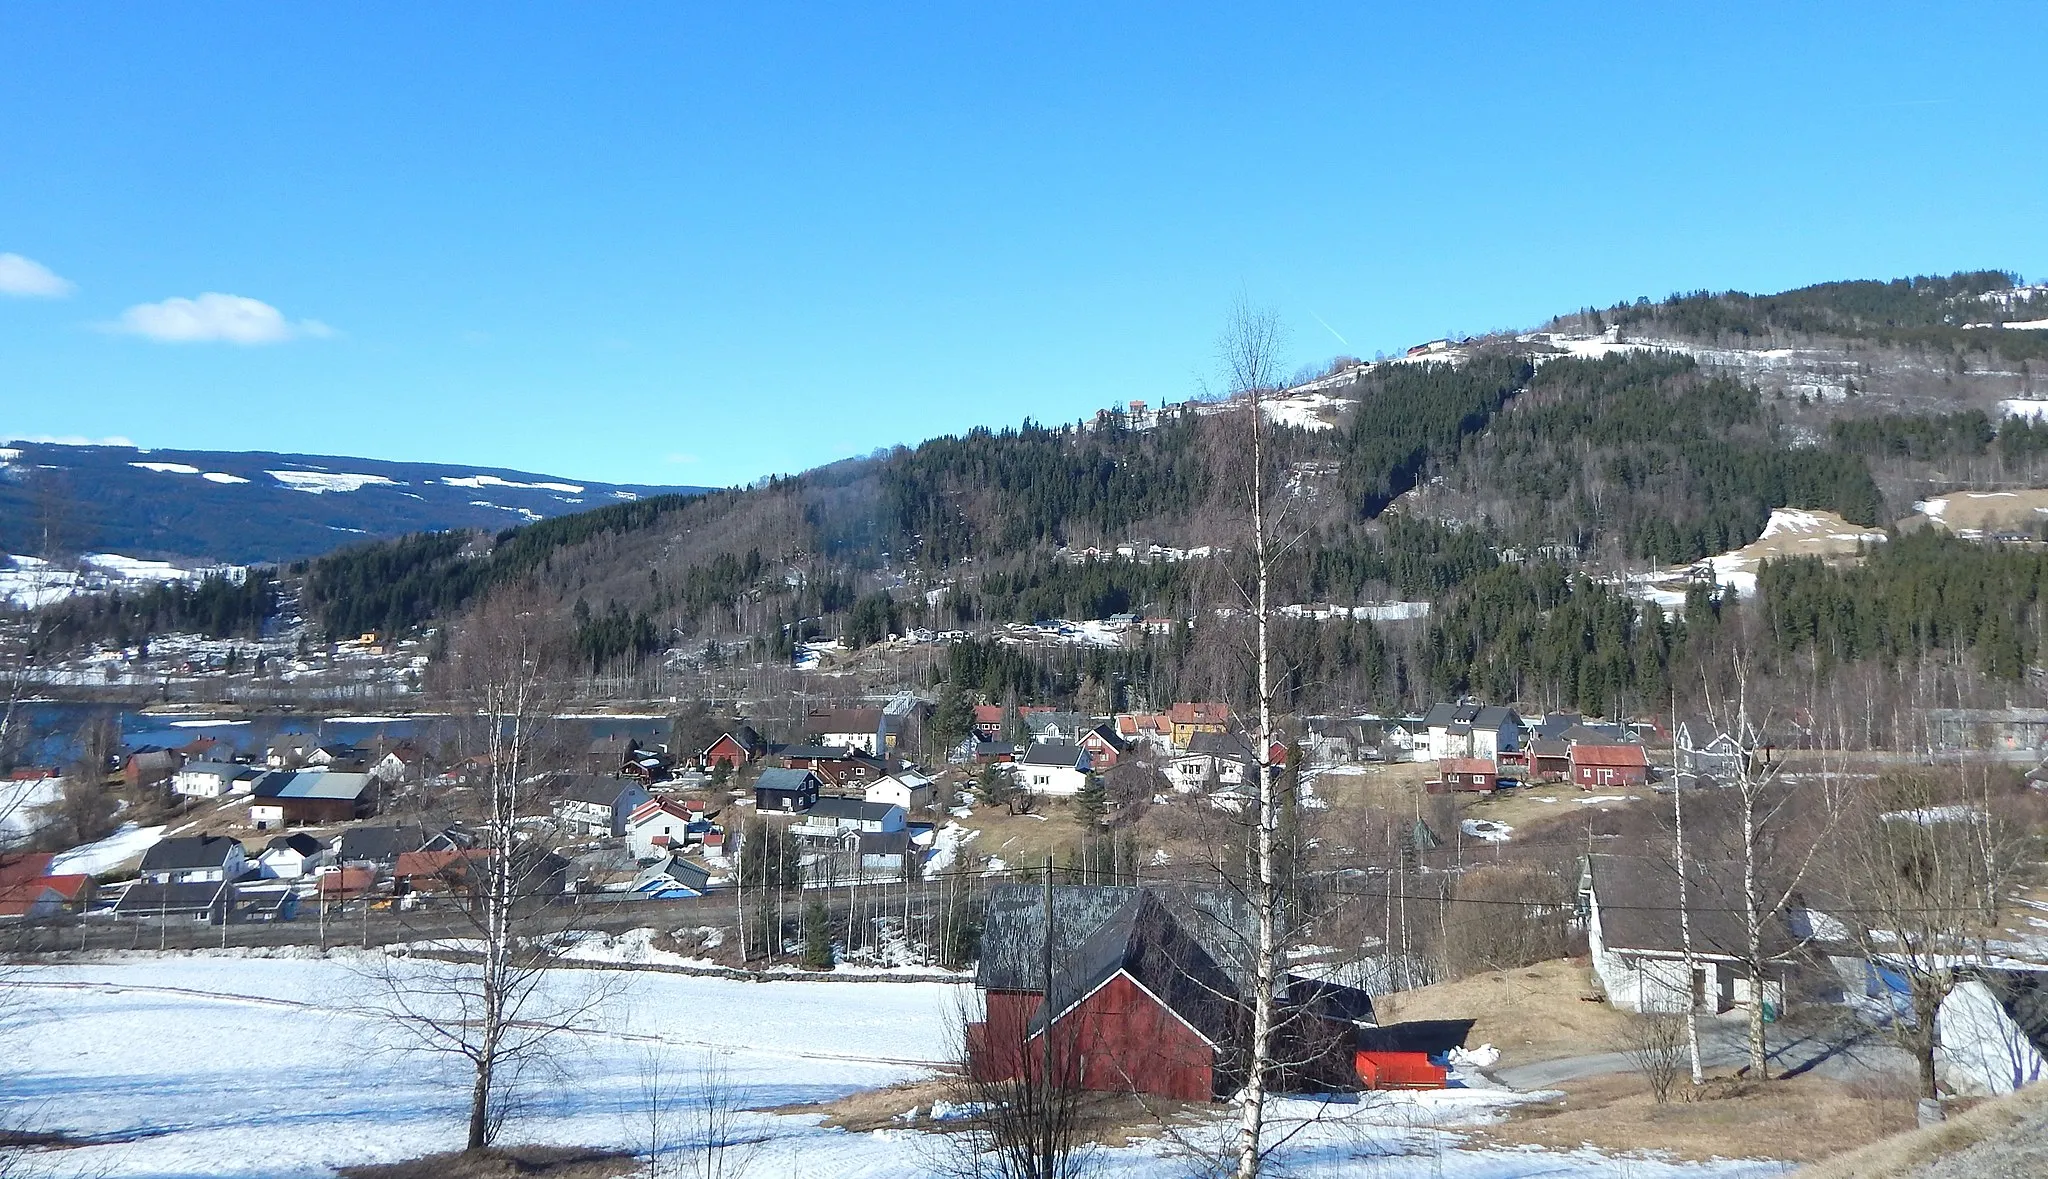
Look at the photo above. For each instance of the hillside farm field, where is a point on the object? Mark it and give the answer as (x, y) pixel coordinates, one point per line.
(229, 1066)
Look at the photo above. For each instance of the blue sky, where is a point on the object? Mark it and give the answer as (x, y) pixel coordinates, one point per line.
(678, 244)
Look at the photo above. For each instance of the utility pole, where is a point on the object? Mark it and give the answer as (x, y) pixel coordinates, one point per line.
(1692, 1024)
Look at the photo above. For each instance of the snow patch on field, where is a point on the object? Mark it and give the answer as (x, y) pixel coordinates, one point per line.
(1304, 410)
(105, 855)
(167, 468)
(1790, 532)
(322, 482)
(222, 477)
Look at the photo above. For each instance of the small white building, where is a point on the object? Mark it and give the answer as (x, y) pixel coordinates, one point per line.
(905, 788)
(1053, 768)
(210, 779)
(289, 857)
(659, 828)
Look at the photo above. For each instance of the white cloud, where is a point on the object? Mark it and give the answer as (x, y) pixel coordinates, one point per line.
(31, 279)
(233, 319)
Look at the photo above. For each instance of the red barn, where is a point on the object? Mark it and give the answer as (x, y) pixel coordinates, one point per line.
(1137, 1003)
(734, 749)
(1594, 766)
(988, 722)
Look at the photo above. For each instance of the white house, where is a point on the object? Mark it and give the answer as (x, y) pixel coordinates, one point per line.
(1053, 768)
(1470, 730)
(1993, 1032)
(194, 859)
(905, 788)
(829, 818)
(659, 827)
(1638, 949)
(1224, 756)
(210, 779)
(595, 805)
(288, 857)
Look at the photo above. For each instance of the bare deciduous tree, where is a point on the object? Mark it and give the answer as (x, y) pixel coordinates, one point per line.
(1923, 862)
(1655, 1045)
(504, 1010)
(693, 1121)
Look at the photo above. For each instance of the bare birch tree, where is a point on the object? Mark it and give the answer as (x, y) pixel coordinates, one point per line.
(504, 1011)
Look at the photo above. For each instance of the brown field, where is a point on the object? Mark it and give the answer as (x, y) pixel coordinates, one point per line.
(1532, 1013)
(2009, 1126)
(1800, 1120)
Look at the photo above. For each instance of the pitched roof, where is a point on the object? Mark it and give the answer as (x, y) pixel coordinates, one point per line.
(450, 862)
(1055, 753)
(16, 867)
(1223, 744)
(594, 789)
(347, 882)
(788, 781)
(655, 808)
(2024, 996)
(988, 714)
(332, 785)
(298, 841)
(1199, 713)
(144, 898)
(742, 735)
(1013, 927)
(1618, 756)
(818, 753)
(375, 844)
(187, 852)
(218, 769)
(843, 720)
(1467, 765)
(1638, 903)
(1140, 937)
(858, 810)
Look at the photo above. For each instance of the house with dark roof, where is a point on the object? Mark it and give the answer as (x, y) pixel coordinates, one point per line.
(193, 900)
(290, 798)
(785, 791)
(592, 804)
(1144, 990)
(150, 765)
(1701, 747)
(1225, 758)
(1638, 945)
(1104, 744)
(828, 818)
(853, 728)
(672, 878)
(1992, 1031)
(376, 848)
(191, 859)
(1064, 727)
(1468, 729)
(289, 857)
(1054, 768)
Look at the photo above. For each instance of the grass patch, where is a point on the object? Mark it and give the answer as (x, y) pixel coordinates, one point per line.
(511, 1162)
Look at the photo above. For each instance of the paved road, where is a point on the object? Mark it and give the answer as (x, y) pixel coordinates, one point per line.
(1823, 1048)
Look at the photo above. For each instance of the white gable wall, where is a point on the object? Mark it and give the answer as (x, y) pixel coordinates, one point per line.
(1982, 1052)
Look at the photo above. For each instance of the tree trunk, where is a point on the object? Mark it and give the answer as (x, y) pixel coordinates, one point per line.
(480, 1107)
(1265, 969)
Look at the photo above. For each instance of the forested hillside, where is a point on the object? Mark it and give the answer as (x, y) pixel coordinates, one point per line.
(1505, 483)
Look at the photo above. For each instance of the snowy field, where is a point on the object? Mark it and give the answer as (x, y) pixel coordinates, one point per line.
(242, 1066)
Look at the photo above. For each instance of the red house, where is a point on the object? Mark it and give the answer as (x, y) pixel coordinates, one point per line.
(1137, 1004)
(1468, 774)
(734, 749)
(1595, 766)
(988, 722)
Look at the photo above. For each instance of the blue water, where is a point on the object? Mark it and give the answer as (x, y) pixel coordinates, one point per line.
(54, 726)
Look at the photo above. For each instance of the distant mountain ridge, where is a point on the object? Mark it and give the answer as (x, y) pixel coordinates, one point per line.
(245, 507)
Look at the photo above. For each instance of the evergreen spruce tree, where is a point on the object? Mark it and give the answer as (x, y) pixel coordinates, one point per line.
(817, 937)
